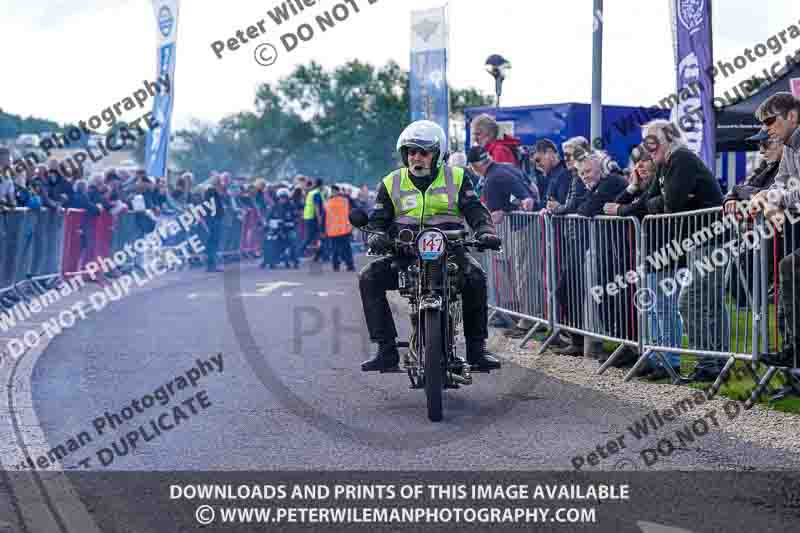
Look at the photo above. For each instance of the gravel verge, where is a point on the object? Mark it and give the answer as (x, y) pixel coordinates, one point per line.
(760, 425)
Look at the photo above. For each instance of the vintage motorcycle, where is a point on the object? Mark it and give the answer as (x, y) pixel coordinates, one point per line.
(427, 278)
(278, 242)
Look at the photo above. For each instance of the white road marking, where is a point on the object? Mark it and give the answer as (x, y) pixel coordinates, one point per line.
(17, 412)
(652, 527)
(325, 294)
(267, 288)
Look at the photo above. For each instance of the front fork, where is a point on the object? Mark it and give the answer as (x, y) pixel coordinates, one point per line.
(458, 371)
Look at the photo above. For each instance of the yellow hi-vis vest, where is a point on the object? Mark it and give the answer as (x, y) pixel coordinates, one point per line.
(439, 204)
(309, 213)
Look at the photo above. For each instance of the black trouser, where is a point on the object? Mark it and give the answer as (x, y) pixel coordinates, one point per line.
(275, 248)
(214, 234)
(571, 287)
(342, 252)
(311, 234)
(378, 277)
(789, 296)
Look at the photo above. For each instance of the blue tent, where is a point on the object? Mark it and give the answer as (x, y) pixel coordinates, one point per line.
(559, 122)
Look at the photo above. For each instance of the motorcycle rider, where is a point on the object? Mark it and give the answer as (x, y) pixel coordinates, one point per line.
(425, 190)
(282, 212)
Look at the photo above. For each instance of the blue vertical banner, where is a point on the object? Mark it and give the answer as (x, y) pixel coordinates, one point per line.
(694, 112)
(157, 147)
(430, 97)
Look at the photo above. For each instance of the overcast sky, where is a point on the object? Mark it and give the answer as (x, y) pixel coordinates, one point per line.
(68, 59)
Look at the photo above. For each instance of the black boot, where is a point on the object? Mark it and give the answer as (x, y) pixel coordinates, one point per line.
(574, 348)
(386, 358)
(784, 358)
(479, 356)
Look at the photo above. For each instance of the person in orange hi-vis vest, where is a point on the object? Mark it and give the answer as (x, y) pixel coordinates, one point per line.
(338, 228)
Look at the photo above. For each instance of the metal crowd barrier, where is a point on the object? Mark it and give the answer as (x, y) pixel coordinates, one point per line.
(42, 246)
(697, 283)
(518, 284)
(12, 235)
(778, 301)
(30, 255)
(125, 231)
(252, 237)
(86, 239)
(591, 255)
(696, 288)
(231, 237)
(48, 245)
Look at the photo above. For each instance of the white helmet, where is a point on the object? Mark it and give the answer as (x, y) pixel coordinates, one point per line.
(426, 135)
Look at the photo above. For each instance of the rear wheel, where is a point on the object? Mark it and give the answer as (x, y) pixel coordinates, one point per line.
(434, 364)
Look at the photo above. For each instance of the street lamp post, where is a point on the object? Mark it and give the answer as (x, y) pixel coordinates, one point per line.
(499, 67)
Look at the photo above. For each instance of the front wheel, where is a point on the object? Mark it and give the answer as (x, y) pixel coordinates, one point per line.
(434, 364)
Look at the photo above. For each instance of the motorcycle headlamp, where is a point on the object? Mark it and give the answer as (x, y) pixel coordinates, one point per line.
(406, 236)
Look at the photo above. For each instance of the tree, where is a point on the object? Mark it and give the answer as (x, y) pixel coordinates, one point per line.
(354, 115)
(341, 125)
(208, 147)
(11, 126)
(460, 99)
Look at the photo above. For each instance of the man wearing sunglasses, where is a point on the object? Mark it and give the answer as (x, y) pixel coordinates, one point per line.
(762, 178)
(780, 113)
(425, 192)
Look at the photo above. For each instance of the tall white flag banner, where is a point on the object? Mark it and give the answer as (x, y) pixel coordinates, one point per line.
(156, 150)
(429, 92)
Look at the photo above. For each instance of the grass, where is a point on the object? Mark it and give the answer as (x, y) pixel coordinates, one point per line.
(740, 383)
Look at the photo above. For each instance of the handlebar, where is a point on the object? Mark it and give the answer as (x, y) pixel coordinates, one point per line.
(454, 238)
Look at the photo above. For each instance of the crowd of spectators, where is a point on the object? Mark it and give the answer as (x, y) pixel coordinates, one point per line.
(663, 177)
(117, 192)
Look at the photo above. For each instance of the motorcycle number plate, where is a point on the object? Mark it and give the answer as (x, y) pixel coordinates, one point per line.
(431, 245)
(274, 224)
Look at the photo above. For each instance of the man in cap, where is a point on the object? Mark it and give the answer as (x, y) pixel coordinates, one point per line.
(780, 114)
(503, 182)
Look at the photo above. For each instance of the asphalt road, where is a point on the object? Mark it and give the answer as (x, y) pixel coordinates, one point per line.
(290, 396)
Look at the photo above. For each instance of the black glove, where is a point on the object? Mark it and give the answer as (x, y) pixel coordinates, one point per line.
(489, 240)
(379, 243)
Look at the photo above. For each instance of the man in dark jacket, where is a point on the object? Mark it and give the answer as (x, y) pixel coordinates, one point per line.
(763, 176)
(684, 183)
(401, 204)
(502, 182)
(761, 179)
(215, 192)
(144, 222)
(58, 189)
(557, 175)
(603, 184)
(280, 234)
(576, 193)
(780, 113)
(576, 190)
